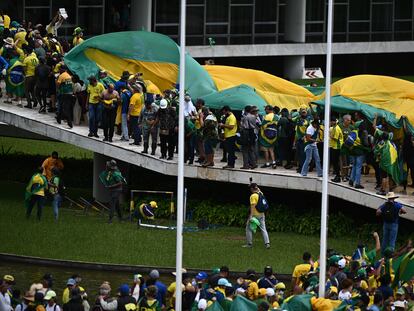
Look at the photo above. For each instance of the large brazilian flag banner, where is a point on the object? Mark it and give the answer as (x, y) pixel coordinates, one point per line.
(157, 57)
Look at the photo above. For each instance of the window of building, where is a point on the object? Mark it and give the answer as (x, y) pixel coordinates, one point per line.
(241, 20)
(403, 9)
(217, 11)
(265, 10)
(194, 23)
(359, 10)
(167, 11)
(382, 17)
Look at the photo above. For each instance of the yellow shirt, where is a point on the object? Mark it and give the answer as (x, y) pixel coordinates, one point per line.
(37, 179)
(136, 103)
(20, 38)
(95, 92)
(254, 199)
(300, 270)
(336, 138)
(30, 63)
(65, 295)
(50, 163)
(230, 120)
(76, 41)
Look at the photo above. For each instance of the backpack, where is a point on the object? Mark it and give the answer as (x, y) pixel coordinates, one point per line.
(270, 130)
(388, 212)
(262, 204)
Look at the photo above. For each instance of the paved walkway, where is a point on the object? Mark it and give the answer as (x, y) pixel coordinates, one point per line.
(46, 125)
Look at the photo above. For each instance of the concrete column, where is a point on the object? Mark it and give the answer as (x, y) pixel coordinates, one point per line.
(99, 165)
(295, 30)
(141, 13)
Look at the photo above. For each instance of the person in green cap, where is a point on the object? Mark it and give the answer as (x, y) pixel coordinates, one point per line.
(113, 180)
(77, 36)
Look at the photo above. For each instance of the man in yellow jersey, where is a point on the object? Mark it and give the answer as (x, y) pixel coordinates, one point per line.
(135, 107)
(336, 139)
(30, 62)
(35, 193)
(230, 131)
(94, 91)
(77, 36)
(256, 212)
(302, 269)
(64, 85)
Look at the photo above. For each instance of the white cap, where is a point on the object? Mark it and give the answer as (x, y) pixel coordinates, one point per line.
(163, 103)
(342, 263)
(202, 304)
(270, 292)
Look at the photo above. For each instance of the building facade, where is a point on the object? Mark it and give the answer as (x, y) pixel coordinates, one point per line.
(239, 29)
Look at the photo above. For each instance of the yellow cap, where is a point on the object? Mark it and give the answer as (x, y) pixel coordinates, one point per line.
(333, 289)
(280, 286)
(262, 292)
(153, 204)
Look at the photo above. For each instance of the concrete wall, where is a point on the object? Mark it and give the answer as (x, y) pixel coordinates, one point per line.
(291, 49)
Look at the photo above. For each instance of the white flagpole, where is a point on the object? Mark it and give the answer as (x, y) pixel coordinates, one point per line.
(325, 177)
(180, 175)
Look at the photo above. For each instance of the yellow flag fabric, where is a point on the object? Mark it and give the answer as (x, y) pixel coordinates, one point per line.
(163, 75)
(388, 93)
(274, 90)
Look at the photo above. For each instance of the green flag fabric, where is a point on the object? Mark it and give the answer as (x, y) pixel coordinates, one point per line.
(403, 267)
(215, 307)
(298, 303)
(243, 304)
(389, 162)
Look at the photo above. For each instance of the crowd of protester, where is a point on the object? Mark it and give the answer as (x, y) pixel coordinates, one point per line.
(364, 280)
(31, 63)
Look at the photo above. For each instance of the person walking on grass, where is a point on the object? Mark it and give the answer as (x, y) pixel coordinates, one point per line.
(35, 193)
(113, 180)
(256, 219)
(56, 189)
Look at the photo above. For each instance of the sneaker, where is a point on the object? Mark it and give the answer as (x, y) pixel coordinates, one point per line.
(245, 168)
(152, 152)
(247, 246)
(170, 158)
(336, 179)
(381, 192)
(144, 151)
(359, 187)
(28, 106)
(190, 162)
(228, 166)
(223, 160)
(96, 135)
(58, 120)
(266, 165)
(288, 166)
(267, 246)
(253, 167)
(90, 135)
(105, 139)
(274, 165)
(163, 157)
(345, 178)
(110, 140)
(351, 183)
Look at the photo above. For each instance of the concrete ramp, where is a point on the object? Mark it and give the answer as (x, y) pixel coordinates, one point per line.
(46, 125)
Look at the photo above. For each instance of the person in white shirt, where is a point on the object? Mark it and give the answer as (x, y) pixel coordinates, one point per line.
(50, 298)
(189, 108)
(5, 302)
(135, 290)
(311, 149)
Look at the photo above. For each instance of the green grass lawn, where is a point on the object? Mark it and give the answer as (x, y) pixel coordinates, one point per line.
(42, 147)
(90, 238)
